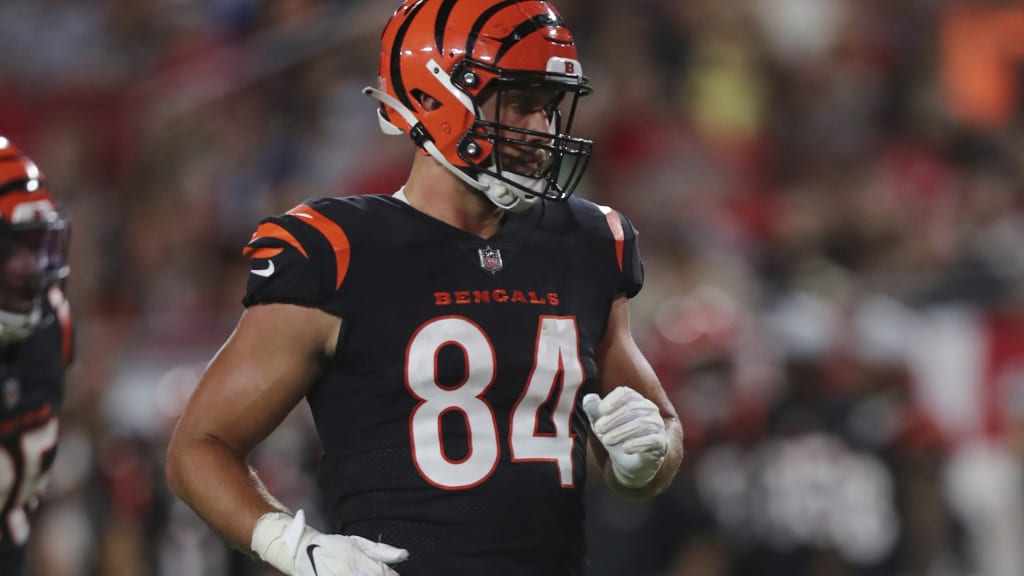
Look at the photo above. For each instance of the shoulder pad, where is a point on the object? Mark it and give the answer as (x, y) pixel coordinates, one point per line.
(62, 310)
(617, 232)
(299, 257)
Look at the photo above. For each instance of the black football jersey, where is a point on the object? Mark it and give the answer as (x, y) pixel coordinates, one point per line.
(31, 392)
(450, 414)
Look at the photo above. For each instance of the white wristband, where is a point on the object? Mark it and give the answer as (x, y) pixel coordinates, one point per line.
(275, 539)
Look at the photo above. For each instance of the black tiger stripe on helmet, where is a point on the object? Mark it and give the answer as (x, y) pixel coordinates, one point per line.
(456, 51)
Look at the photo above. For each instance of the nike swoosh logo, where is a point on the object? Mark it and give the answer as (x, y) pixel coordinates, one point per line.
(312, 562)
(266, 272)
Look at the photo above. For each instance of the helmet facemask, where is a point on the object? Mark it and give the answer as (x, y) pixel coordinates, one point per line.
(531, 158)
(33, 258)
(466, 59)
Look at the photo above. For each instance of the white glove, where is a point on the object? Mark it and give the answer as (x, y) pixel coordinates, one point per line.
(632, 430)
(289, 545)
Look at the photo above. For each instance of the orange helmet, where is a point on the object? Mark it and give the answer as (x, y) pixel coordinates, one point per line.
(442, 60)
(33, 243)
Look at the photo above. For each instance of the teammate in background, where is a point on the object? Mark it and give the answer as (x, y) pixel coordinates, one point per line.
(35, 345)
(458, 341)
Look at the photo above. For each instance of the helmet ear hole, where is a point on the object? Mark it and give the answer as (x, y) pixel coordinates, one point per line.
(426, 101)
(446, 75)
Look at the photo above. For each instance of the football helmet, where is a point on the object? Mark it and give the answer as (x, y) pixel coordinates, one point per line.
(452, 72)
(33, 243)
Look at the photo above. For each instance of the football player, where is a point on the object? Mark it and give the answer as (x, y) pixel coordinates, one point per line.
(459, 342)
(35, 344)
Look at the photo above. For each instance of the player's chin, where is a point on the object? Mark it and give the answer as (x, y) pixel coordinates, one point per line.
(19, 304)
(527, 169)
(530, 163)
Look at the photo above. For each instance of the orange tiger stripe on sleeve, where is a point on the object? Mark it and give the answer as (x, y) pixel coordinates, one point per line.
(271, 230)
(263, 252)
(63, 309)
(334, 234)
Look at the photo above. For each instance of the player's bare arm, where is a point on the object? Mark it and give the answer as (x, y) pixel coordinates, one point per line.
(260, 374)
(487, 215)
(262, 371)
(622, 364)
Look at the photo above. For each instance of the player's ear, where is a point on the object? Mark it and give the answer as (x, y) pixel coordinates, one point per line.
(428, 102)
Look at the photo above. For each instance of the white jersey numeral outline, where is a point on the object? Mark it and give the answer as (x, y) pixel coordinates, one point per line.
(34, 444)
(556, 360)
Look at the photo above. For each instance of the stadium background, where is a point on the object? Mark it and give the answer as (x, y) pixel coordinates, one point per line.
(829, 194)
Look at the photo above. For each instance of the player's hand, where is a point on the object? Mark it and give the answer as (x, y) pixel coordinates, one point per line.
(632, 431)
(286, 543)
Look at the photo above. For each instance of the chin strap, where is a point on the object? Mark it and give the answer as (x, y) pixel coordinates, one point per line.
(496, 191)
(510, 199)
(15, 327)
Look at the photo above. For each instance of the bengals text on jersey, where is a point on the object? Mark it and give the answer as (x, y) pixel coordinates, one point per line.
(453, 396)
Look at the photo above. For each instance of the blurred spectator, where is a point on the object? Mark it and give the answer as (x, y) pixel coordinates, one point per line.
(982, 55)
(830, 195)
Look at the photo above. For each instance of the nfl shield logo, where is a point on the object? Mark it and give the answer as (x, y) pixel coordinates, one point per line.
(490, 259)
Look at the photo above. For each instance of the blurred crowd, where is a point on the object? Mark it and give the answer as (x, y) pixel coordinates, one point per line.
(830, 196)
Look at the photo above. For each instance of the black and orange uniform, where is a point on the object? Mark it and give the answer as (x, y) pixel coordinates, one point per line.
(31, 391)
(454, 395)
